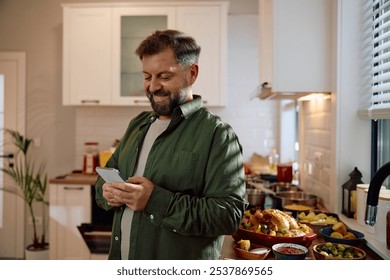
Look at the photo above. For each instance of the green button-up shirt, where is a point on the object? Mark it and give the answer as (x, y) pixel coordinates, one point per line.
(196, 166)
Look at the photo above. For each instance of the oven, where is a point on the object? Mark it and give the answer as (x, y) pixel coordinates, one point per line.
(97, 234)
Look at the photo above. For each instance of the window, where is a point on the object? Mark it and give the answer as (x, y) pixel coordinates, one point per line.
(375, 102)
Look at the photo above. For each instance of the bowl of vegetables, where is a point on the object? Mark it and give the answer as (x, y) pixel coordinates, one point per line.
(340, 233)
(337, 251)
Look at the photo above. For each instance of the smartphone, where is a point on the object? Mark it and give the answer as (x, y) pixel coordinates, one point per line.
(109, 174)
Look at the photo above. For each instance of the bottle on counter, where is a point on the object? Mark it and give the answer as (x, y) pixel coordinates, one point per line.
(273, 161)
(91, 157)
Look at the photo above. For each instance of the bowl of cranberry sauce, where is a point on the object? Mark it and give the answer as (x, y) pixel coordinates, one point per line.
(289, 251)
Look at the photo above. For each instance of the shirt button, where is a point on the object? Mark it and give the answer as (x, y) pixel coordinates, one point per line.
(174, 230)
(116, 238)
(151, 217)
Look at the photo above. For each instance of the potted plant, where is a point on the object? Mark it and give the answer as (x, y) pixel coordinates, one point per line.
(30, 183)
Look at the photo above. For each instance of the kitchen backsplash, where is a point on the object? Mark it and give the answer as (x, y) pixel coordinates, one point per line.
(315, 144)
(254, 121)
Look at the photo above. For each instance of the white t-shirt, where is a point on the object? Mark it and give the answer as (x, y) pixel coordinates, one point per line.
(156, 128)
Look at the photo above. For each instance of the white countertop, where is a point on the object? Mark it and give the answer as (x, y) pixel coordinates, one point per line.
(378, 247)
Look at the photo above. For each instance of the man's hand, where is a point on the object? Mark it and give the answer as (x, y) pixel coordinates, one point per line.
(135, 193)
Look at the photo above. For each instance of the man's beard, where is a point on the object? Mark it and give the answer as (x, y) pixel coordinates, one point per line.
(166, 107)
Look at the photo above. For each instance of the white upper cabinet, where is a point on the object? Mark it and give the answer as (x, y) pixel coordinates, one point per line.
(100, 65)
(87, 49)
(131, 26)
(208, 25)
(296, 45)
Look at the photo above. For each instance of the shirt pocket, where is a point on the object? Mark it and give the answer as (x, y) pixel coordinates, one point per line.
(178, 170)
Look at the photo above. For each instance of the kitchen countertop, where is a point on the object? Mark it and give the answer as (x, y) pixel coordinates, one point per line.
(75, 179)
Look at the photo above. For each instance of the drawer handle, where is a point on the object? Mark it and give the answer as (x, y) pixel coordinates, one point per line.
(73, 188)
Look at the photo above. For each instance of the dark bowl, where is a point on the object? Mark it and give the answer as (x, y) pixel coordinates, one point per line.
(327, 231)
(289, 251)
(320, 256)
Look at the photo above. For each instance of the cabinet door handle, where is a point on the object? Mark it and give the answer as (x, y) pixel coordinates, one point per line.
(90, 101)
(7, 156)
(73, 188)
(141, 101)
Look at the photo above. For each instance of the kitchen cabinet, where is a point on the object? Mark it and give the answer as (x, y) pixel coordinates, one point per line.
(295, 45)
(208, 25)
(70, 206)
(87, 49)
(100, 67)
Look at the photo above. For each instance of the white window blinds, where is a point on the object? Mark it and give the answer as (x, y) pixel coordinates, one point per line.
(375, 101)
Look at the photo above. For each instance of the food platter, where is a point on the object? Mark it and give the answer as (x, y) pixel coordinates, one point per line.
(317, 219)
(268, 241)
(271, 226)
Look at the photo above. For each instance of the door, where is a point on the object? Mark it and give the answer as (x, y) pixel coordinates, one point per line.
(12, 116)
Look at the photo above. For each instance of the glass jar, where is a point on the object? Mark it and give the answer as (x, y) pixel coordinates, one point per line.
(91, 157)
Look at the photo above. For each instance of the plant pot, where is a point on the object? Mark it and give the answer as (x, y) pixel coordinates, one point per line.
(32, 253)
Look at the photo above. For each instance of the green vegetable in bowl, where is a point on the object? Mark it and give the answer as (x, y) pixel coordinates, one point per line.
(339, 251)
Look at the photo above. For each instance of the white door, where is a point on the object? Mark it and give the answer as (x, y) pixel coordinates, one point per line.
(12, 116)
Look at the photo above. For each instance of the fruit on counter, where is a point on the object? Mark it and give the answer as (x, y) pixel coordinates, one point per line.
(273, 222)
(244, 244)
(340, 231)
(338, 251)
(317, 219)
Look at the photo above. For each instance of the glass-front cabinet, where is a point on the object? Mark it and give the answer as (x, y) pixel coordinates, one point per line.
(100, 66)
(131, 26)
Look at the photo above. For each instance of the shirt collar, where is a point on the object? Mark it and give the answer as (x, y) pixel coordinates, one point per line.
(185, 110)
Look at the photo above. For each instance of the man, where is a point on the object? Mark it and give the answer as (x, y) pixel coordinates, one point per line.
(185, 183)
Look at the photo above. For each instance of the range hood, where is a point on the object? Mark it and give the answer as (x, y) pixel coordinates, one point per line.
(266, 93)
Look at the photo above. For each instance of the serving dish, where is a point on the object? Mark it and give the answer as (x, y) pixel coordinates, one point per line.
(327, 231)
(256, 252)
(323, 251)
(289, 251)
(268, 240)
(317, 219)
